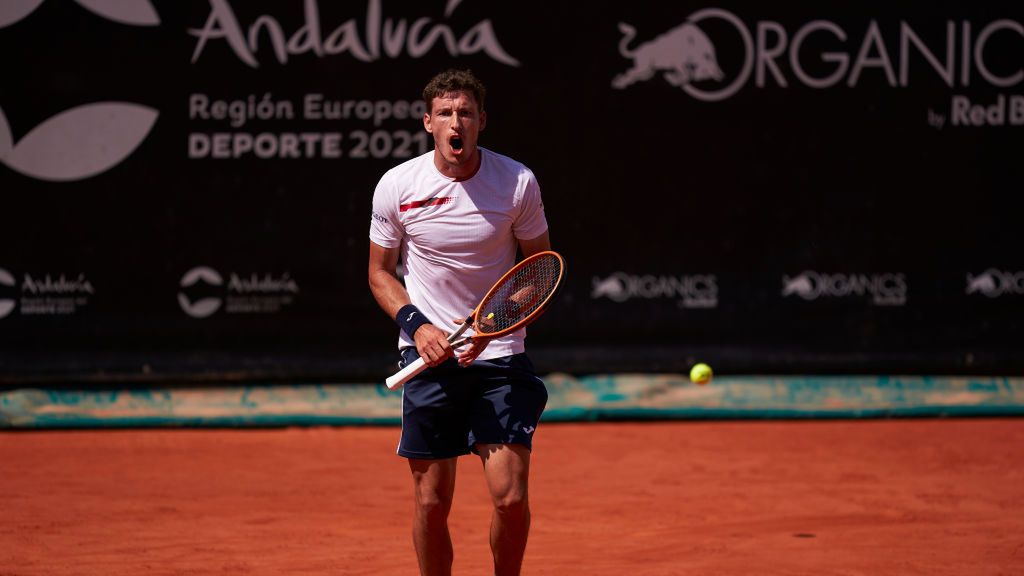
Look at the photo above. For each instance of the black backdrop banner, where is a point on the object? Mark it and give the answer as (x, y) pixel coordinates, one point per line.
(803, 187)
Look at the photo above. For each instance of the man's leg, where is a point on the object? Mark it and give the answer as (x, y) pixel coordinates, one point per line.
(434, 485)
(507, 470)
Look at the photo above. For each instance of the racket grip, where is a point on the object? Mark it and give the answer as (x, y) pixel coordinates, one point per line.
(405, 374)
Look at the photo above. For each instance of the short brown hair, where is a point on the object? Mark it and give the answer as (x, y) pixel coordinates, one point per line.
(454, 81)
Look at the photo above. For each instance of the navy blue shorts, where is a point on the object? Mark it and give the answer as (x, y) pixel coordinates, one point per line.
(447, 410)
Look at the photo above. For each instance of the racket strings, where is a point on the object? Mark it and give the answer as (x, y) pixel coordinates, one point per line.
(522, 294)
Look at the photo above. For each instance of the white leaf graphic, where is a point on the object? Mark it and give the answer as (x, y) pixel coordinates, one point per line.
(200, 309)
(12, 11)
(82, 142)
(6, 139)
(5, 307)
(5, 278)
(132, 12)
(208, 275)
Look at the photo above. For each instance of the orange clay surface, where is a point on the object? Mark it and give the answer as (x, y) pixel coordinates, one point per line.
(871, 497)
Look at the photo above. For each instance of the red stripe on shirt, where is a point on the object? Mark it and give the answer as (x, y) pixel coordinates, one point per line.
(424, 203)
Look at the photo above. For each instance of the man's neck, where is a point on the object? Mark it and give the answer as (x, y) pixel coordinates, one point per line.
(458, 171)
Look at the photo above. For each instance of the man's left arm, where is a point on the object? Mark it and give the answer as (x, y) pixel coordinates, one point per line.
(539, 244)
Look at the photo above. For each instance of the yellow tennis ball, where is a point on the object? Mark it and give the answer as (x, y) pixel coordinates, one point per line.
(701, 374)
(491, 315)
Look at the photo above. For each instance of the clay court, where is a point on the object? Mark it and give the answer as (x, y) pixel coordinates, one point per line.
(825, 497)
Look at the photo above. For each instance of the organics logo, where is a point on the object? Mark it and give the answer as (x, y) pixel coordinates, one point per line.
(688, 56)
(994, 283)
(693, 291)
(86, 140)
(884, 289)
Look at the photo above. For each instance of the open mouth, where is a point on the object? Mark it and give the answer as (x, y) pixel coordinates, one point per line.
(456, 144)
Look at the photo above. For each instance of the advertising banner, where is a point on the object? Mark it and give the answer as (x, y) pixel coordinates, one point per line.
(797, 187)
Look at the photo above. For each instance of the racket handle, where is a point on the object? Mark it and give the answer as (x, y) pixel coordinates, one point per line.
(419, 364)
(405, 374)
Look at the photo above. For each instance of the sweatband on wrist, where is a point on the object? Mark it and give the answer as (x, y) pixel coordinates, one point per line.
(409, 318)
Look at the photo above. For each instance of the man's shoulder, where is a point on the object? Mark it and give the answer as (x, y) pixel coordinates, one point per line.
(504, 161)
(506, 164)
(410, 167)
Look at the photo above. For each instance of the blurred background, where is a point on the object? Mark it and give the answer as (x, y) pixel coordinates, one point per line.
(806, 187)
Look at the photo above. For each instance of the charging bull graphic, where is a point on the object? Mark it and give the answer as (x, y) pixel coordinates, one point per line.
(684, 53)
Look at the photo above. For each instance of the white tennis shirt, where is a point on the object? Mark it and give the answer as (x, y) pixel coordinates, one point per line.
(457, 238)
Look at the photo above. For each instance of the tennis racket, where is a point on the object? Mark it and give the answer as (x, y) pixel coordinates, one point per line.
(516, 300)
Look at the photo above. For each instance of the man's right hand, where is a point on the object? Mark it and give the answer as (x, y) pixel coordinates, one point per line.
(432, 344)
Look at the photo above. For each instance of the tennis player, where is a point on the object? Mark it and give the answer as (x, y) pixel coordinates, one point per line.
(455, 217)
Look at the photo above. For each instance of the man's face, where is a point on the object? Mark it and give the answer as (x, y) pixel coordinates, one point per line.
(455, 120)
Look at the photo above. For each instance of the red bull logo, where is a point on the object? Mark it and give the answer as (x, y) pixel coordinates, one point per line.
(684, 53)
(686, 56)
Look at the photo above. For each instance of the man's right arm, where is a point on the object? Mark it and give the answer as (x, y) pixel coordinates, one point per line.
(431, 342)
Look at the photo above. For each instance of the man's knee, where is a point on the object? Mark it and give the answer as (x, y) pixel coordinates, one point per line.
(434, 483)
(432, 505)
(512, 503)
